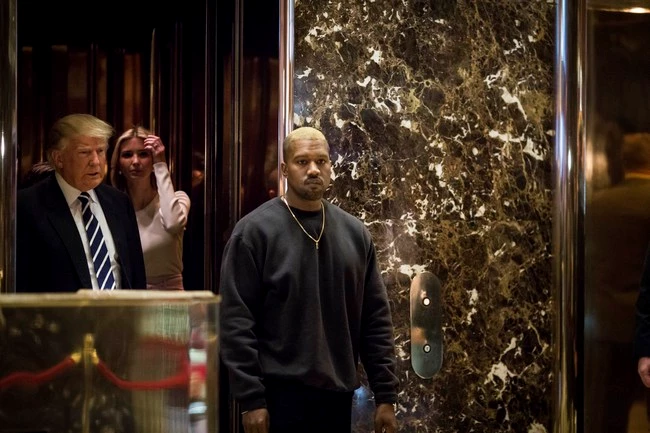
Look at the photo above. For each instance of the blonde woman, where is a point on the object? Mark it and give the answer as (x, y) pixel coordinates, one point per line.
(139, 168)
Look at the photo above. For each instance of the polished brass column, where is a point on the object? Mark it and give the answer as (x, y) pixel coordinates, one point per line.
(569, 142)
(8, 108)
(285, 91)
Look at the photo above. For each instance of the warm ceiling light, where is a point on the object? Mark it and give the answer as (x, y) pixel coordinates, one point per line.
(630, 6)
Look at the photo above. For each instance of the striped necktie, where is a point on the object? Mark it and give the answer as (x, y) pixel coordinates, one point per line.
(97, 244)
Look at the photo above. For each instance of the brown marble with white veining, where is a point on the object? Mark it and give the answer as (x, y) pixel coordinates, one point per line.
(439, 117)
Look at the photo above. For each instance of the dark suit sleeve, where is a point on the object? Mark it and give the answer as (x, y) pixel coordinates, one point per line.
(49, 250)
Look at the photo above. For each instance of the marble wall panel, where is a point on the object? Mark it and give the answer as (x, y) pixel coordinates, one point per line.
(439, 115)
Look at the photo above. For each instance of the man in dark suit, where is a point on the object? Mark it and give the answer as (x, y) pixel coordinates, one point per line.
(53, 249)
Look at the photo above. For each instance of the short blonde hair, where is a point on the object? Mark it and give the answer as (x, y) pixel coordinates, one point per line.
(76, 125)
(303, 133)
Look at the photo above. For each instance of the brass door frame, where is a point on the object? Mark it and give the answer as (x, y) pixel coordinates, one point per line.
(8, 145)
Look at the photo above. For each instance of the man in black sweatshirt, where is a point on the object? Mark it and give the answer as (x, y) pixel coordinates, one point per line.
(302, 302)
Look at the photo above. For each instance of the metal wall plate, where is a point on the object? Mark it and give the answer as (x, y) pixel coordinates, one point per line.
(426, 325)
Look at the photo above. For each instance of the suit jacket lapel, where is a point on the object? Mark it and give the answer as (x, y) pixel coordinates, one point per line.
(61, 219)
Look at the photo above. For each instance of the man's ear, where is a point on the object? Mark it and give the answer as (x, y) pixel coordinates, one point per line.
(283, 169)
(57, 158)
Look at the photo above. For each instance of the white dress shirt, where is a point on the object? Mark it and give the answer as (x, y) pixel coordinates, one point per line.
(72, 198)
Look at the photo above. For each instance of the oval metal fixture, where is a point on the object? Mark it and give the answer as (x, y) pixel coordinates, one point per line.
(426, 325)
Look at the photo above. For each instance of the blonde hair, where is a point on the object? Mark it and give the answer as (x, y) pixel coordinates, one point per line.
(303, 133)
(117, 178)
(75, 125)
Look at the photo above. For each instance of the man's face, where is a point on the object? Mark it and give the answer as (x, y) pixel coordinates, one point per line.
(308, 169)
(82, 163)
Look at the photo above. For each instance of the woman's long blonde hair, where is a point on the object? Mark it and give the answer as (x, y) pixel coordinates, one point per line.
(117, 178)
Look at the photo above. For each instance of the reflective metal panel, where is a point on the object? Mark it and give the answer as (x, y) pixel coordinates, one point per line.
(602, 228)
(426, 325)
(285, 110)
(8, 44)
(616, 215)
(569, 128)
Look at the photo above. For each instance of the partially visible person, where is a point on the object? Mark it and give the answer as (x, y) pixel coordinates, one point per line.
(139, 168)
(53, 247)
(617, 233)
(642, 332)
(303, 301)
(37, 172)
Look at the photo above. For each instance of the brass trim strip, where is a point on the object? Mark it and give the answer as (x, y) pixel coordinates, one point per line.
(285, 89)
(569, 141)
(8, 145)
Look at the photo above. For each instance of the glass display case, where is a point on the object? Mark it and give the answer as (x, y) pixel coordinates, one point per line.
(109, 361)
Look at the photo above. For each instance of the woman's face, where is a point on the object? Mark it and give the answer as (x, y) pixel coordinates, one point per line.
(135, 161)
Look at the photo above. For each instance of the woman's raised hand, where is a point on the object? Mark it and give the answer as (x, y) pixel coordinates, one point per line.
(155, 145)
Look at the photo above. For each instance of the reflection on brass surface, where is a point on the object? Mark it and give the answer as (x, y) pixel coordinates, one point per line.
(426, 325)
(616, 214)
(8, 106)
(632, 6)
